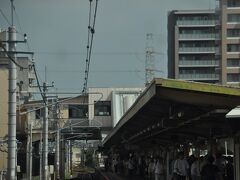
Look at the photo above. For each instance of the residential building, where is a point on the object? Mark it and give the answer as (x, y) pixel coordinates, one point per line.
(203, 45)
(230, 44)
(108, 105)
(193, 45)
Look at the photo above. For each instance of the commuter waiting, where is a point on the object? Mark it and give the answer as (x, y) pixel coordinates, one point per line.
(210, 171)
(181, 167)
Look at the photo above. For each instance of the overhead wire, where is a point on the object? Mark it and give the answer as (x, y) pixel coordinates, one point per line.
(88, 41)
(38, 83)
(96, 53)
(20, 27)
(10, 57)
(91, 30)
(17, 18)
(5, 17)
(96, 71)
(29, 49)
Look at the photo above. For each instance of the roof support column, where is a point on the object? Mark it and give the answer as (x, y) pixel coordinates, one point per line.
(237, 157)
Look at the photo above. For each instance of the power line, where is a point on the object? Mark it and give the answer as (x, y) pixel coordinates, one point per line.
(10, 57)
(38, 83)
(20, 27)
(91, 30)
(96, 53)
(94, 71)
(5, 17)
(15, 12)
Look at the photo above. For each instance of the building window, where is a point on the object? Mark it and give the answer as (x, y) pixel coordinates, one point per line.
(234, 18)
(30, 81)
(39, 113)
(233, 33)
(233, 63)
(78, 111)
(233, 48)
(233, 77)
(102, 108)
(30, 67)
(233, 3)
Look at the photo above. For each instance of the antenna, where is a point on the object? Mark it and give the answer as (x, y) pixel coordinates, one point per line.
(150, 59)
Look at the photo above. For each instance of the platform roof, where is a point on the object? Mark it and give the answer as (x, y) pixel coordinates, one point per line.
(174, 110)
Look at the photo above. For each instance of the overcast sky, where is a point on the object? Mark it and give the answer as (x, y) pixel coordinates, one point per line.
(57, 33)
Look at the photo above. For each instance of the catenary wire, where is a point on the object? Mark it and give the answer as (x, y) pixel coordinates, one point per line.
(5, 17)
(88, 40)
(91, 29)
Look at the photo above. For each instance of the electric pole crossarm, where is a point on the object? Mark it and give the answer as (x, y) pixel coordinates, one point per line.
(24, 41)
(20, 52)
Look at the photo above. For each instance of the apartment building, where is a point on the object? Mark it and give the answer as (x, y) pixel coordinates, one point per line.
(230, 44)
(193, 45)
(204, 45)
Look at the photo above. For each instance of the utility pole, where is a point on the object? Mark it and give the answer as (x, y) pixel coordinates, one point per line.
(57, 138)
(12, 97)
(45, 134)
(71, 154)
(57, 167)
(29, 152)
(40, 158)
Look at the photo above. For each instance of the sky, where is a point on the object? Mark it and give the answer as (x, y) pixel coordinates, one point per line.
(57, 34)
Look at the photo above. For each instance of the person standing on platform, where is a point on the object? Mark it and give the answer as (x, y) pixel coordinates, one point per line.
(194, 168)
(159, 170)
(210, 171)
(151, 168)
(229, 169)
(181, 167)
(131, 166)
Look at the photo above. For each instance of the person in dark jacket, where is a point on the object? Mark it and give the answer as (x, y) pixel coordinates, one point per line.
(229, 169)
(210, 171)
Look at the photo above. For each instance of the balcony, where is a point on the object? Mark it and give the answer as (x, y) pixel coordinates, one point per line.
(200, 77)
(198, 50)
(196, 22)
(209, 36)
(233, 4)
(198, 63)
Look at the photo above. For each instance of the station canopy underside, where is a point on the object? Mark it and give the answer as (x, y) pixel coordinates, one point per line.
(171, 111)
